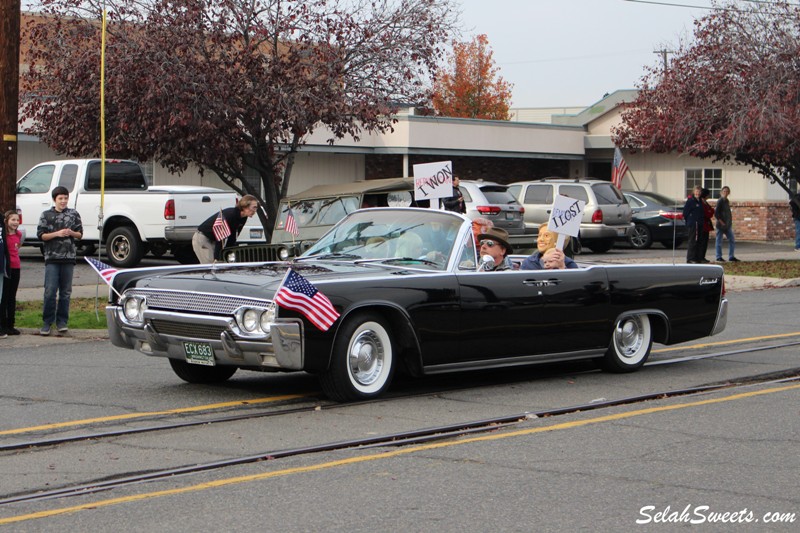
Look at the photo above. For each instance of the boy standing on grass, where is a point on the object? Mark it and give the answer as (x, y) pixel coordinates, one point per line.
(58, 228)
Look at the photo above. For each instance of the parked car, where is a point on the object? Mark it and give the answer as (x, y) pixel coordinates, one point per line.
(493, 202)
(656, 218)
(606, 216)
(426, 313)
(316, 210)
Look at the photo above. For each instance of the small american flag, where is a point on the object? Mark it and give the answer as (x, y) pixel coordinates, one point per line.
(298, 294)
(291, 223)
(221, 229)
(619, 169)
(106, 271)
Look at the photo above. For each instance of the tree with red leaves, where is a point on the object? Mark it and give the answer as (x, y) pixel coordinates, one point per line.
(228, 85)
(731, 94)
(470, 87)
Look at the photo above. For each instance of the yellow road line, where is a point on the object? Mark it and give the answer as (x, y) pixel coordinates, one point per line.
(387, 455)
(214, 406)
(724, 343)
(129, 416)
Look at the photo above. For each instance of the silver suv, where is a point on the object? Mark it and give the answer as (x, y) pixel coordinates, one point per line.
(493, 202)
(606, 217)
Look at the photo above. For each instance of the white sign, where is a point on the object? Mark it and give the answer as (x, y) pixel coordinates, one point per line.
(433, 180)
(565, 218)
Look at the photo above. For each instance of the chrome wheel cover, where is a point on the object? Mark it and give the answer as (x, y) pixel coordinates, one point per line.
(369, 357)
(629, 339)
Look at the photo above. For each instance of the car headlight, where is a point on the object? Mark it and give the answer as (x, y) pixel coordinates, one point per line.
(250, 320)
(230, 257)
(283, 254)
(267, 318)
(133, 308)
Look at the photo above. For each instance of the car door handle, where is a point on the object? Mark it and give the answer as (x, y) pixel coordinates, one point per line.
(541, 282)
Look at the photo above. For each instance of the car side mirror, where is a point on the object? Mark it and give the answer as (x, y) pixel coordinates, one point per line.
(487, 263)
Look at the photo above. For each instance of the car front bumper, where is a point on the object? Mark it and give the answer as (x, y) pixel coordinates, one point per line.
(163, 334)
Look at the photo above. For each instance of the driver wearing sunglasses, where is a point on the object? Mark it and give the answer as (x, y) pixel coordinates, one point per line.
(494, 243)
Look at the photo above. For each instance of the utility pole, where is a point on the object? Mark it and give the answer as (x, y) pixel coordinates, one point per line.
(9, 100)
(663, 53)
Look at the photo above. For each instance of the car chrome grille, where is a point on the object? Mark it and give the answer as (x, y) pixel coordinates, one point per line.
(218, 304)
(190, 331)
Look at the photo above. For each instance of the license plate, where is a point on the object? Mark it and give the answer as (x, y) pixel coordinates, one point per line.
(621, 232)
(510, 216)
(256, 233)
(199, 353)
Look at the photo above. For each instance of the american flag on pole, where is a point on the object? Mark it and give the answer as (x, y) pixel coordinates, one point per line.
(619, 169)
(220, 228)
(298, 294)
(105, 271)
(291, 223)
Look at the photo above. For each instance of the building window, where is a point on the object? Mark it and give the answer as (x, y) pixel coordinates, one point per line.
(708, 178)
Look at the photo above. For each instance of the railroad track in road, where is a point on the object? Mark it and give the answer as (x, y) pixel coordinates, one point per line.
(289, 406)
(415, 436)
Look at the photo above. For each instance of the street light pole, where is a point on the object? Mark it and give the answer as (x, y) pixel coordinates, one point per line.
(9, 100)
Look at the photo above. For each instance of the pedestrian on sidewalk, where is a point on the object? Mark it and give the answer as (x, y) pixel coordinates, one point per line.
(58, 229)
(694, 216)
(14, 238)
(724, 225)
(795, 205)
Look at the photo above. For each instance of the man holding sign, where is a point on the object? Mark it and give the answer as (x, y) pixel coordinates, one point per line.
(565, 220)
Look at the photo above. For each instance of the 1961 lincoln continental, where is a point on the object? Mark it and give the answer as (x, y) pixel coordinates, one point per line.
(404, 292)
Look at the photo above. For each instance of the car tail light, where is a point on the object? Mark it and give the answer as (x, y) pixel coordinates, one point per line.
(19, 212)
(672, 215)
(521, 210)
(169, 210)
(597, 217)
(488, 210)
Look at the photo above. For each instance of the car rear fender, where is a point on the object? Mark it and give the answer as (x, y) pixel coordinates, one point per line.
(403, 333)
(658, 322)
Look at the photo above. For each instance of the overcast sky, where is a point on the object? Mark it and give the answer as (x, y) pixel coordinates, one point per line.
(572, 52)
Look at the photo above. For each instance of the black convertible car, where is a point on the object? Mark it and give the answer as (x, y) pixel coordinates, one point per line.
(402, 292)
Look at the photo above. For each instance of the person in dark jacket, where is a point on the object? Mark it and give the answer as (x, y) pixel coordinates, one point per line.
(455, 202)
(694, 216)
(724, 226)
(794, 203)
(206, 246)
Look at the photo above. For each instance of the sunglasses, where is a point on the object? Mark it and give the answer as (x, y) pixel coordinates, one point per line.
(489, 243)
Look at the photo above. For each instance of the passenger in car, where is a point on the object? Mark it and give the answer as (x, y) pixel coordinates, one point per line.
(494, 243)
(545, 241)
(553, 259)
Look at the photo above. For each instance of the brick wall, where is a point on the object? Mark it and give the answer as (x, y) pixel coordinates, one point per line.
(762, 221)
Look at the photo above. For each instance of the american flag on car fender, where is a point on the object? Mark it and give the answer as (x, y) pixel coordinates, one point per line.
(299, 294)
(105, 271)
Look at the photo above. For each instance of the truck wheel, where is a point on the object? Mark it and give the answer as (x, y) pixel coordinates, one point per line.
(201, 374)
(87, 249)
(184, 254)
(599, 246)
(123, 247)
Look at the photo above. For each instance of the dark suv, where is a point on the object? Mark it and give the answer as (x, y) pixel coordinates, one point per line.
(606, 216)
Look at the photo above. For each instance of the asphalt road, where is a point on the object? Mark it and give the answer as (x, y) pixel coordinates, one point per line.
(600, 470)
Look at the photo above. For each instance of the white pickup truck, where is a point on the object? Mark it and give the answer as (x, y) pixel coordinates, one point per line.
(136, 218)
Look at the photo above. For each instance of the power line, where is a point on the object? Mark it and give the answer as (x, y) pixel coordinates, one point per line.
(710, 8)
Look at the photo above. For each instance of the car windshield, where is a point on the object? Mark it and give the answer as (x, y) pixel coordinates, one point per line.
(418, 237)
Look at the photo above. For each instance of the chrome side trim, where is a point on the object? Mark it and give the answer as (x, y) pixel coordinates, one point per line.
(512, 361)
